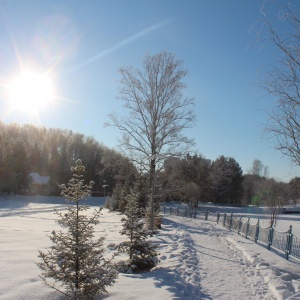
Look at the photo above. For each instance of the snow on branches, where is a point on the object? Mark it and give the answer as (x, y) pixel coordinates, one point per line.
(75, 264)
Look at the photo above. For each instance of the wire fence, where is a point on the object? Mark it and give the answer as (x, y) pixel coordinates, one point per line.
(285, 241)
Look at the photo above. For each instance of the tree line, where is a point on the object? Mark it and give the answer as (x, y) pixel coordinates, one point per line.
(52, 152)
(195, 178)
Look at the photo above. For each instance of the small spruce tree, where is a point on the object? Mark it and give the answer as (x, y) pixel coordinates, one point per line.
(75, 264)
(142, 254)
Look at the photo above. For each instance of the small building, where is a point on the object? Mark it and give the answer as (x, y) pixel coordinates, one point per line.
(39, 185)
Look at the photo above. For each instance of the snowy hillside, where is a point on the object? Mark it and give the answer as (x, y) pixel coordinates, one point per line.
(198, 259)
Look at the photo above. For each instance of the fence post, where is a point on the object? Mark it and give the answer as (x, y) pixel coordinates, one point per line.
(247, 228)
(224, 219)
(195, 213)
(170, 210)
(177, 210)
(289, 243)
(185, 214)
(270, 237)
(257, 231)
(218, 217)
(240, 225)
(230, 221)
(164, 209)
(206, 215)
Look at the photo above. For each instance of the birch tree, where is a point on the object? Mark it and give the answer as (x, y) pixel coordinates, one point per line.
(157, 111)
(283, 80)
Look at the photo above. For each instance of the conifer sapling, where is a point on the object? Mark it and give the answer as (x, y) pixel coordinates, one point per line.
(142, 254)
(75, 264)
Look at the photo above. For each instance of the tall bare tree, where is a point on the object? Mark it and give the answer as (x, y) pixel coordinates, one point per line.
(274, 195)
(283, 81)
(158, 112)
(259, 169)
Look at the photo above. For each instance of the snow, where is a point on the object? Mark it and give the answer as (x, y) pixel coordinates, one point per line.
(198, 259)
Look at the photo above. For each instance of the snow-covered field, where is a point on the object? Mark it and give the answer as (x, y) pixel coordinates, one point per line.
(198, 259)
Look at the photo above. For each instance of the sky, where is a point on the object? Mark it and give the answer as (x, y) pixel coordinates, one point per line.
(81, 45)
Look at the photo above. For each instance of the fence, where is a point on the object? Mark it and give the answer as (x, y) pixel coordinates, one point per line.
(285, 241)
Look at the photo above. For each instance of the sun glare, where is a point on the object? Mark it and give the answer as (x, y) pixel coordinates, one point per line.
(30, 92)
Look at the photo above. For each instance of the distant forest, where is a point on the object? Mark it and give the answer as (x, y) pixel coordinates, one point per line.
(26, 149)
(51, 152)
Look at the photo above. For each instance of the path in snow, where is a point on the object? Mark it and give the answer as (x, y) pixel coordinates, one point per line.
(225, 271)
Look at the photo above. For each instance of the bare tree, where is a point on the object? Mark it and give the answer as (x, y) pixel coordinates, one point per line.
(157, 110)
(283, 81)
(257, 168)
(274, 195)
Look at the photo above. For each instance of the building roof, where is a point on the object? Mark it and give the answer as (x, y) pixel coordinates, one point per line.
(39, 180)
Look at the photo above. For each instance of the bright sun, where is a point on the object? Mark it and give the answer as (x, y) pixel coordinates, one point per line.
(30, 92)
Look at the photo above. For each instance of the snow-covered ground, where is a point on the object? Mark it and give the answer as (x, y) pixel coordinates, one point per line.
(198, 259)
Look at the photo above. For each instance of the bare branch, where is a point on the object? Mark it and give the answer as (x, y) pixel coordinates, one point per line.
(158, 111)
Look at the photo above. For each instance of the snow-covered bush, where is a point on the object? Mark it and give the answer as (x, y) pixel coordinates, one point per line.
(75, 264)
(142, 254)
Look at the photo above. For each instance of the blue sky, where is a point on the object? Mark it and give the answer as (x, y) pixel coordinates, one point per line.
(82, 44)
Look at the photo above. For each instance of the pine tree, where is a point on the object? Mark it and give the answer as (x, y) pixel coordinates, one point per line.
(119, 195)
(142, 254)
(75, 264)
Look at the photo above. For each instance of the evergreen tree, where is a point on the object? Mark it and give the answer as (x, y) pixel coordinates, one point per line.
(75, 264)
(226, 178)
(119, 196)
(142, 254)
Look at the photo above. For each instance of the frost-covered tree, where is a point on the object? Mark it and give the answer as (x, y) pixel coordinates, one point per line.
(157, 112)
(119, 197)
(75, 264)
(142, 254)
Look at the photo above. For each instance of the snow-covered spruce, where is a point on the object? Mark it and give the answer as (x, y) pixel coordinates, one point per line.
(75, 264)
(142, 254)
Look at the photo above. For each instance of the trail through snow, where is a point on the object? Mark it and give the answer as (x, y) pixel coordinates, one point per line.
(220, 266)
(227, 268)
